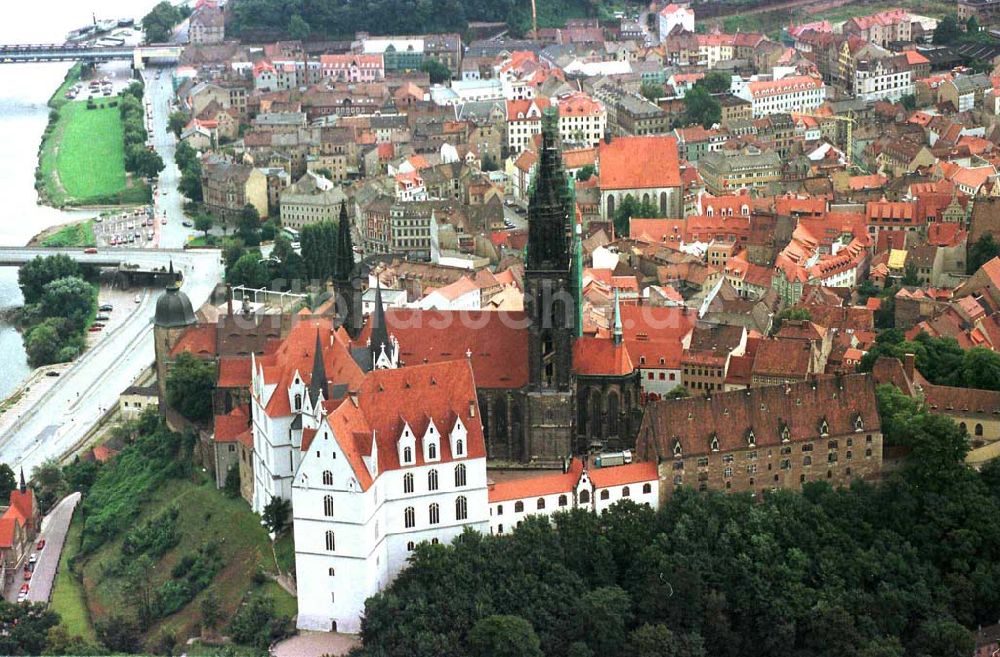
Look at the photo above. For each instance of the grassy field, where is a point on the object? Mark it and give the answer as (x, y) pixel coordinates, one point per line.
(67, 595)
(207, 515)
(78, 234)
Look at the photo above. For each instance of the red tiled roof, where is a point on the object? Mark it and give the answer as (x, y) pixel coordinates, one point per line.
(498, 341)
(622, 166)
(234, 372)
(8, 526)
(530, 487)
(198, 340)
(600, 357)
(229, 427)
(619, 475)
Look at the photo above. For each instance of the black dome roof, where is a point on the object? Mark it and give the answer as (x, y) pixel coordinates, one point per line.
(173, 309)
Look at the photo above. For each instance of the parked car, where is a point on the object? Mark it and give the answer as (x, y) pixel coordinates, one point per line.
(33, 558)
(24, 589)
(138, 298)
(90, 250)
(41, 545)
(187, 224)
(94, 329)
(106, 308)
(102, 318)
(98, 325)
(52, 373)
(164, 221)
(27, 574)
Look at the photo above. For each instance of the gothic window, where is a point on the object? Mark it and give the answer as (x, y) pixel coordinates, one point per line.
(663, 203)
(807, 460)
(595, 414)
(979, 429)
(518, 507)
(407, 455)
(500, 416)
(605, 495)
(331, 544)
(585, 497)
(432, 451)
(461, 508)
(626, 492)
(611, 207)
(328, 506)
(410, 545)
(540, 504)
(613, 413)
(785, 434)
(562, 500)
(409, 517)
(434, 514)
(327, 478)
(459, 475)
(459, 447)
(331, 572)
(432, 480)
(408, 482)
(298, 402)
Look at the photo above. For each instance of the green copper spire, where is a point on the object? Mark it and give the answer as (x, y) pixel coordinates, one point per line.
(618, 320)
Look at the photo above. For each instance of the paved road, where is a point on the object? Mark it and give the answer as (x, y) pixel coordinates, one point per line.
(54, 528)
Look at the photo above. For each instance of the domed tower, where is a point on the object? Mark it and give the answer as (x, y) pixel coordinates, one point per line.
(173, 315)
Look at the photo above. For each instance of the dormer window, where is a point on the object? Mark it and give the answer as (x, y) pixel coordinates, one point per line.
(460, 447)
(859, 424)
(824, 428)
(785, 434)
(714, 444)
(298, 402)
(407, 455)
(677, 448)
(751, 438)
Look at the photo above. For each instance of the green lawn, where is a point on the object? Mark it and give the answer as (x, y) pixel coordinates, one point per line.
(78, 234)
(206, 514)
(67, 595)
(91, 156)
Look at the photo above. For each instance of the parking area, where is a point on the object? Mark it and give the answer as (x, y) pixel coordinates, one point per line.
(114, 307)
(133, 228)
(109, 81)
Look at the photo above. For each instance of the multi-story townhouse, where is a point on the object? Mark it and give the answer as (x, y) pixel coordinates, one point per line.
(797, 93)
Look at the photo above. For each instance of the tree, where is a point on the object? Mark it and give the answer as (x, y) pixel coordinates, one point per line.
(910, 276)
(204, 223)
(249, 271)
(276, 514)
(119, 633)
(49, 484)
(149, 164)
(677, 392)
(585, 172)
(794, 314)
(319, 249)
(249, 223)
(972, 25)
(190, 184)
(25, 627)
(503, 636)
(59, 642)
(211, 614)
(232, 486)
(489, 162)
(660, 641)
(439, 73)
(42, 344)
(942, 637)
(8, 481)
(909, 102)
(652, 91)
(981, 369)
(701, 108)
(297, 28)
(982, 251)
(71, 298)
(946, 31)
(257, 624)
(716, 82)
(190, 385)
(628, 208)
(176, 123)
(608, 613)
(158, 24)
(34, 275)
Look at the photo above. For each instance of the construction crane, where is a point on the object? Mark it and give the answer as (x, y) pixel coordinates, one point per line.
(849, 120)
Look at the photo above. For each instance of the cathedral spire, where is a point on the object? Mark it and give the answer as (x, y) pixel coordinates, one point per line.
(318, 383)
(549, 205)
(344, 258)
(24, 486)
(380, 334)
(617, 321)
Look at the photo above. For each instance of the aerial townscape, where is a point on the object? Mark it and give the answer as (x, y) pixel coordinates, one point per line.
(500, 328)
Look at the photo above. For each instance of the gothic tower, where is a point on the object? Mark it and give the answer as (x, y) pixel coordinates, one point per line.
(550, 303)
(345, 285)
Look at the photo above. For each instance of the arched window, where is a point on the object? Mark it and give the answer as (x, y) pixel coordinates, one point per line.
(434, 514)
(613, 413)
(605, 495)
(408, 482)
(328, 506)
(611, 207)
(518, 507)
(540, 504)
(647, 489)
(432, 480)
(663, 203)
(432, 451)
(330, 542)
(298, 402)
(807, 460)
(461, 508)
(459, 475)
(407, 455)
(585, 497)
(331, 572)
(961, 425)
(459, 447)
(562, 500)
(979, 429)
(409, 546)
(409, 517)
(626, 492)
(327, 478)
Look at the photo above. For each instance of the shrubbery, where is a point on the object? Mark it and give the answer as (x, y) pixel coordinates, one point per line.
(59, 303)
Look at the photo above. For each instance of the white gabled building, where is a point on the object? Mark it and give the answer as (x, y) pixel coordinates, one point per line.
(797, 93)
(578, 487)
(400, 461)
(674, 15)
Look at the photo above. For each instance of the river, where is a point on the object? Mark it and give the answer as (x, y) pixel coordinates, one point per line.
(24, 91)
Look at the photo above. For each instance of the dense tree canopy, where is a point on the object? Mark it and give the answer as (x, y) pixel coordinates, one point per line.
(190, 385)
(982, 251)
(940, 360)
(701, 108)
(630, 207)
(904, 567)
(160, 22)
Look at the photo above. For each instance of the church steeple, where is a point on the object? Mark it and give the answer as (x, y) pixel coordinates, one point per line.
(343, 262)
(617, 331)
(318, 383)
(549, 205)
(380, 334)
(348, 294)
(24, 486)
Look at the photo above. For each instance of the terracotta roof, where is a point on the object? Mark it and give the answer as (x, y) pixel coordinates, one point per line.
(600, 357)
(782, 358)
(619, 475)
(234, 372)
(622, 169)
(8, 526)
(229, 427)
(766, 411)
(537, 486)
(795, 83)
(198, 340)
(414, 396)
(498, 341)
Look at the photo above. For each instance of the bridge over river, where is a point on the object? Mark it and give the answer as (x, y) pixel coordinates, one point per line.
(53, 52)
